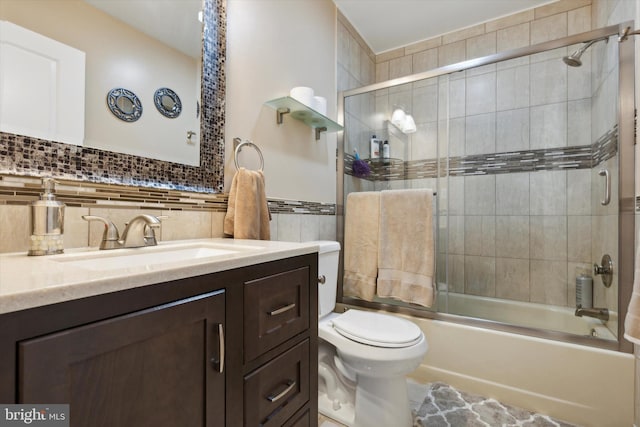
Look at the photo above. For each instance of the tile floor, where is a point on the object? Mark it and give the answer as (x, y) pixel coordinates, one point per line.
(440, 405)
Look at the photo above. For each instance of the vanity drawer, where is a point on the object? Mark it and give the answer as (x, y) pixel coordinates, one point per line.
(277, 390)
(276, 308)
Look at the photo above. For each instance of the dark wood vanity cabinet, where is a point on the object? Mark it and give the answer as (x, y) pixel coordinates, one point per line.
(158, 366)
(234, 348)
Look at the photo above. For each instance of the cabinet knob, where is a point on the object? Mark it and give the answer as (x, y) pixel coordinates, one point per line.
(322, 279)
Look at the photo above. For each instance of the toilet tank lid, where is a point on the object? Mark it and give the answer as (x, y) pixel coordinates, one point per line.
(327, 246)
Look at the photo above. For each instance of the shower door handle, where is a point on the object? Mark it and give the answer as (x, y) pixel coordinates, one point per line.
(607, 187)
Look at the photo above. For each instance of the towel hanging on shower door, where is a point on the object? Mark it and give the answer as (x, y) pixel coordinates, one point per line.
(361, 244)
(406, 249)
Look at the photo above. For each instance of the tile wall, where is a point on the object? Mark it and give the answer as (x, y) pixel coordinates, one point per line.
(356, 68)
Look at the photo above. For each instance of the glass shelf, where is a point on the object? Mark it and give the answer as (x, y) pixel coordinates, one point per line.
(305, 114)
(384, 161)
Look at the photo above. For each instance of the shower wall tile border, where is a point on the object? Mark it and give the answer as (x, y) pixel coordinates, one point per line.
(26, 156)
(548, 159)
(22, 190)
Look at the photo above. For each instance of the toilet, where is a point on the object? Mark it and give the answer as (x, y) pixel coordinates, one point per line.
(363, 356)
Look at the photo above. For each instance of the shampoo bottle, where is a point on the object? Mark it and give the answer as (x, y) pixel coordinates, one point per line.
(385, 150)
(375, 148)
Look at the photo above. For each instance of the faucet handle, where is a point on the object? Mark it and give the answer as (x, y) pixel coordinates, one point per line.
(149, 230)
(111, 236)
(150, 234)
(150, 227)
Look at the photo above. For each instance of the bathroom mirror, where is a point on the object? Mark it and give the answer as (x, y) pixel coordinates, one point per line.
(136, 157)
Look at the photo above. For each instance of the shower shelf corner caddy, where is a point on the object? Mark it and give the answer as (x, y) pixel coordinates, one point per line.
(381, 167)
(299, 111)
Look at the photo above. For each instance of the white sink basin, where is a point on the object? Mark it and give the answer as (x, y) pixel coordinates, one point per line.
(152, 256)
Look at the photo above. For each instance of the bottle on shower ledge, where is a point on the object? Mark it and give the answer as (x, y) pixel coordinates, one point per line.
(584, 291)
(375, 148)
(385, 152)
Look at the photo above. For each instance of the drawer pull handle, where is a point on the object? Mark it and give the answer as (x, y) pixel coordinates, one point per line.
(290, 385)
(282, 309)
(322, 279)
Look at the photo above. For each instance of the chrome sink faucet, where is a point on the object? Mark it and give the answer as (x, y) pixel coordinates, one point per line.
(598, 313)
(139, 232)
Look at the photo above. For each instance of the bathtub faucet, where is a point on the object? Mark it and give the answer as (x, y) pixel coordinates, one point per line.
(598, 313)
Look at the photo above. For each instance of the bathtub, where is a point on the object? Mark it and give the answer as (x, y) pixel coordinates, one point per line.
(583, 385)
(531, 315)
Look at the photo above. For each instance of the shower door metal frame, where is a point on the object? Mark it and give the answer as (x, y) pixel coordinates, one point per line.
(626, 186)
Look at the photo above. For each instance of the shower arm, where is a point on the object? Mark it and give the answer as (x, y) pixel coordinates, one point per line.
(588, 44)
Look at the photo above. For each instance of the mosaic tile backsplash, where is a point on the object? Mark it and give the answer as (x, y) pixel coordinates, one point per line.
(18, 190)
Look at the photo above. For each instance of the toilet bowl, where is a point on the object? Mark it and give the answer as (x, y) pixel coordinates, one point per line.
(363, 357)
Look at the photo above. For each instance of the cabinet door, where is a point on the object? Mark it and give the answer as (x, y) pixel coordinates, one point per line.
(156, 367)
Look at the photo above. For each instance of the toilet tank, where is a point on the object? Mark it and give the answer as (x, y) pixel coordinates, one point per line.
(328, 255)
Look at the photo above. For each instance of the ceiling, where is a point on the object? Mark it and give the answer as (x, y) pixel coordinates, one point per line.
(174, 23)
(389, 24)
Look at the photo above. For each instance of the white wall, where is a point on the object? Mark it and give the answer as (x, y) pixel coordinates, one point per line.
(272, 46)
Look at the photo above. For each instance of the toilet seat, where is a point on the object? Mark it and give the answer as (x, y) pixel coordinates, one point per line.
(377, 329)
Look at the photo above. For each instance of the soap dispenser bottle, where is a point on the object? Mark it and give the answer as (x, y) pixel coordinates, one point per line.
(47, 222)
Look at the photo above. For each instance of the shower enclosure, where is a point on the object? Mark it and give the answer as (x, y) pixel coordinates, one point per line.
(530, 153)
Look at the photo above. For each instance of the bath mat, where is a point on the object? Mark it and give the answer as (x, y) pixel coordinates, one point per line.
(440, 405)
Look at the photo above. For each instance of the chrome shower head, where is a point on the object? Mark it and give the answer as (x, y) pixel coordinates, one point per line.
(573, 60)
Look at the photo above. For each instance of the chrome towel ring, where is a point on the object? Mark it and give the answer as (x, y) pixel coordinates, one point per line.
(239, 143)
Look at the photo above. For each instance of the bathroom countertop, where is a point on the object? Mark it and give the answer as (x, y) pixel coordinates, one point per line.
(32, 281)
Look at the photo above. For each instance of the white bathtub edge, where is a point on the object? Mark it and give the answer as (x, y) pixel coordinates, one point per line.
(574, 383)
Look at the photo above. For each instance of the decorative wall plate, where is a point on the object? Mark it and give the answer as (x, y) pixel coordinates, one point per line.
(124, 104)
(167, 102)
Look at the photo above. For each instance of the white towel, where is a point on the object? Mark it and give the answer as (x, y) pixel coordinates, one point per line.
(406, 250)
(361, 244)
(632, 320)
(247, 209)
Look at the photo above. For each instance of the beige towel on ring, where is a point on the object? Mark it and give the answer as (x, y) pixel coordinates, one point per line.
(632, 320)
(361, 245)
(406, 251)
(247, 209)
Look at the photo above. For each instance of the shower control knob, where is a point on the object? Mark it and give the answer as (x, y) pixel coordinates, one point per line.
(605, 270)
(322, 279)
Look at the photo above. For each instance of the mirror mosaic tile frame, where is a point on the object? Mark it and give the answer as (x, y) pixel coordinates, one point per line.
(27, 156)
